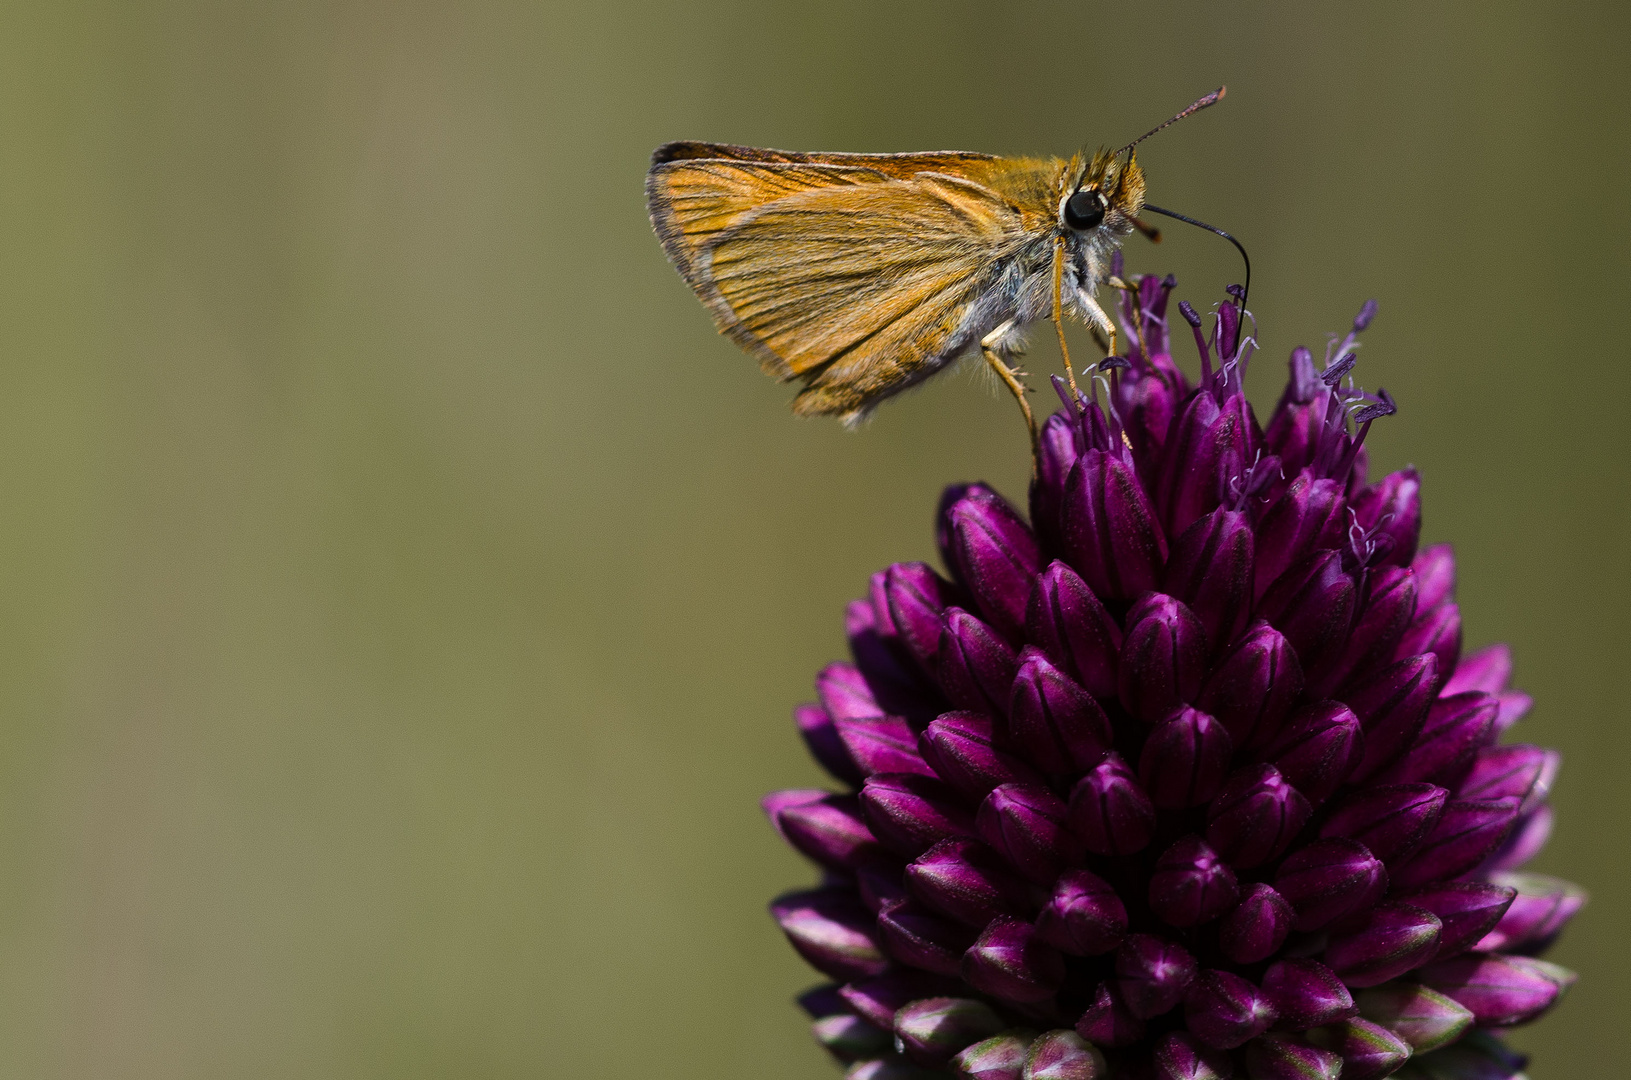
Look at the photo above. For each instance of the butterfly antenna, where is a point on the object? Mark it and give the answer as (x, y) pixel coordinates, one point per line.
(1210, 99)
(1212, 229)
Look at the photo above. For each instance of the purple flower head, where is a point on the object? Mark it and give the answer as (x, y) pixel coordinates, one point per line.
(1186, 775)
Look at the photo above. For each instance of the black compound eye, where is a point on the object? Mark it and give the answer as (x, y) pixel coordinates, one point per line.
(1084, 210)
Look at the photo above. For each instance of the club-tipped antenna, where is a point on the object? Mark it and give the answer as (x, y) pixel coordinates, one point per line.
(1247, 288)
(1210, 99)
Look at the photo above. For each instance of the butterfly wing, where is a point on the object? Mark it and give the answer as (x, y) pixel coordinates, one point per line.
(855, 273)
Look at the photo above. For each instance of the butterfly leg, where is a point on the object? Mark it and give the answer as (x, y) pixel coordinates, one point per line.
(1098, 320)
(1058, 310)
(988, 348)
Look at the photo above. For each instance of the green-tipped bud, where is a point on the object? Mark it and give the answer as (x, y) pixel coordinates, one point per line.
(850, 1037)
(1063, 1055)
(1424, 1018)
(933, 1029)
(1369, 1051)
(1001, 1057)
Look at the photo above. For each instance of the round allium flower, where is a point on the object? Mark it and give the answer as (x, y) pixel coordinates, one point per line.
(1187, 778)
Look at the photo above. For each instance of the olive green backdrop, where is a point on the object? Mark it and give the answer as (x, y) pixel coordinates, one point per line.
(403, 590)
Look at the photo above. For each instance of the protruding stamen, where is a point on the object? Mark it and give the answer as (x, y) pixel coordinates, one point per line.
(1366, 314)
(1332, 375)
(1201, 345)
(1383, 406)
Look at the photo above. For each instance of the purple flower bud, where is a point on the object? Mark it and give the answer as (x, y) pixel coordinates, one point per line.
(1191, 885)
(1317, 749)
(1489, 669)
(1457, 727)
(1025, 824)
(1329, 879)
(1207, 446)
(1468, 910)
(1391, 706)
(1467, 832)
(1524, 772)
(1000, 1057)
(1368, 1051)
(964, 880)
(1163, 658)
(1423, 1018)
(1437, 631)
(1058, 448)
(1254, 816)
(777, 801)
(1515, 705)
(1389, 511)
(916, 596)
(821, 737)
(992, 553)
(1523, 843)
(879, 998)
(1185, 759)
(976, 667)
(1108, 528)
(829, 830)
(1541, 906)
(1307, 994)
(897, 683)
(1064, 1055)
(1253, 689)
(1179, 1057)
(1084, 916)
(1055, 721)
(910, 814)
(832, 931)
(1499, 990)
(1223, 1010)
(1478, 1056)
(933, 1029)
(881, 881)
(1211, 571)
(1108, 1021)
(1257, 927)
(919, 939)
(823, 1000)
(1312, 604)
(1009, 962)
(847, 1037)
(1435, 576)
(1110, 811)
(1308, 515)
(881, 744)
(1276, 1057)
(1067, 622)
(1399, 937)
(1389, 605)
(1391, 820)
(961, 748)
(844, 693)
(1152, 974)
(887, 1068)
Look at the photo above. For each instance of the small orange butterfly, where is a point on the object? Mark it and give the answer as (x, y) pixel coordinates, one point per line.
(864, 274)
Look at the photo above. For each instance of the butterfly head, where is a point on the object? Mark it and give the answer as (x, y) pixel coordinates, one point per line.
(1104, 193)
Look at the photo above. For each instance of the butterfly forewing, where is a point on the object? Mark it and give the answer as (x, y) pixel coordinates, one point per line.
(856, 274)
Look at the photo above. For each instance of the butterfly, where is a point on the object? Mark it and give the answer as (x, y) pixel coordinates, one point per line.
(861, 275)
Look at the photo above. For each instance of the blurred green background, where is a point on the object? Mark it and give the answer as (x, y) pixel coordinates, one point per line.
(403, 590)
